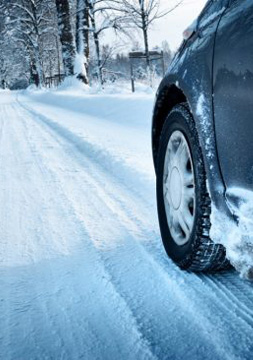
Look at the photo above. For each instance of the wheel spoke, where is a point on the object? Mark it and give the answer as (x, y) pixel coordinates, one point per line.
(179, 188)
(184, 157)
(188, 179)
(188, 218)
(180, 148)
(189, 193)
(183, 223)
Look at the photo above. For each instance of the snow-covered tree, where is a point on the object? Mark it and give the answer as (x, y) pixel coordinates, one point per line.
(82, 40)
(27, 24)
(142, 14)
(167, 53)
(33, 21)
(42, 39)
(66, 36)
(104, 15)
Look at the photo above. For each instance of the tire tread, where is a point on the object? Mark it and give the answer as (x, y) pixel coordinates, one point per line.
(205, 255)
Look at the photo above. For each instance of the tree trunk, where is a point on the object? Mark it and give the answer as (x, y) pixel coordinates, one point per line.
(39, 67)
(66, 36)
(99, 62)
(96, 42)
(145, 32)
(82, 40)
(33, 71)
(36, 48)
(145, 37)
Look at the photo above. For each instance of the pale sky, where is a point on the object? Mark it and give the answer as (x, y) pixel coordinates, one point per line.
(171, 27)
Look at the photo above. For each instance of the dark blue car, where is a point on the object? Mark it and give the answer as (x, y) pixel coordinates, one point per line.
(202, 132)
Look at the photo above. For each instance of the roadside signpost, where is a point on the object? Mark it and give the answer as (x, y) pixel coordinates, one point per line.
(139, 55)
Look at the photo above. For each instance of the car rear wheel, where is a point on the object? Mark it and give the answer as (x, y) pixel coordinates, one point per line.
(183, 202)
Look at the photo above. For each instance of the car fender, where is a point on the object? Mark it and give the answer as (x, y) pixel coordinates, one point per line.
(181, 84)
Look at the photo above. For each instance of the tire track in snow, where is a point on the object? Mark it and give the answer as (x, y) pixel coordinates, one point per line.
(13, 142)
(4, 320)
(242, 311)
(13, 181)
(114, 307)
(54, 129)
(136, 315)
(101, 272)
(84, 147)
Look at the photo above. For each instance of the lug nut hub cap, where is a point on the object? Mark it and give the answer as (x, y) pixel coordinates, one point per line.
(179, 188)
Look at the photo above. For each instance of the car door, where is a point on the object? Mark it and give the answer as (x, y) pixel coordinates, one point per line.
(233, 94)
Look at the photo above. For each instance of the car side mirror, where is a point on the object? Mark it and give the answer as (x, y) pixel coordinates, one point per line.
(191, 30)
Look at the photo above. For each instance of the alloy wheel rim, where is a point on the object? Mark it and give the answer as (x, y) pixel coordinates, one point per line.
(179, 188)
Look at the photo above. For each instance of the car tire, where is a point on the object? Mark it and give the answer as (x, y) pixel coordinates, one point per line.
(183, 202)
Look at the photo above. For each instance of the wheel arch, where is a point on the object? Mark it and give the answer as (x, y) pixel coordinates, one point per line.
(174, 90)
(168, 96)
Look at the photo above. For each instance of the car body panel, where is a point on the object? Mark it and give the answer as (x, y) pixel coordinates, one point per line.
(233, 95)
(191, 72)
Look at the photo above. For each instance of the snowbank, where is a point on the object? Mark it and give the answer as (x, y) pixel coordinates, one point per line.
(73, 85)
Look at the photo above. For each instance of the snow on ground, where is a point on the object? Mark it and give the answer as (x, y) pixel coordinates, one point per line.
(83, 274)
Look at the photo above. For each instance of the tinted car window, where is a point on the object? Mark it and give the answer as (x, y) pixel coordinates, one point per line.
(237, 1)
(240, 4)
(212, 8)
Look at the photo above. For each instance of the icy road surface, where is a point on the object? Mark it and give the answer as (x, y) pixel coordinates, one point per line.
(83, 274)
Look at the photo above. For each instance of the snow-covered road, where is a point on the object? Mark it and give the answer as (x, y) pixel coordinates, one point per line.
(83, 274)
